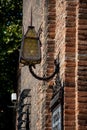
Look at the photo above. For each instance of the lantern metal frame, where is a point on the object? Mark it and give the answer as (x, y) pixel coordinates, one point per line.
(45, 78)
(32, 65)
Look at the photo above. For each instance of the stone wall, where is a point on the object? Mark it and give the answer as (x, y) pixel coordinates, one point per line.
(27, 81)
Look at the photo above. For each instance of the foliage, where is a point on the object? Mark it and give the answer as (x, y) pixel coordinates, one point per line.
(10, 39)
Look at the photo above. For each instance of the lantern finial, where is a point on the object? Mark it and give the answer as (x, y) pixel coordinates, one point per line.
(31, 17)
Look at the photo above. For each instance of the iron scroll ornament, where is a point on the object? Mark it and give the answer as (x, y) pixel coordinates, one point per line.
(45, 78)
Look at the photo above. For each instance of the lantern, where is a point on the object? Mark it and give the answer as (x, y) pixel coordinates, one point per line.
(31, 48)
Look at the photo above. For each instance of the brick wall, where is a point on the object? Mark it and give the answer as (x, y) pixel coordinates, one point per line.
(70, 55)
(82, 65)
(75, 70)
(48, 59)
(60, 36)
(63, 25)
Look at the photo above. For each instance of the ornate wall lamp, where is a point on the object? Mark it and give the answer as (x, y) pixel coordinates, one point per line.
(31, 52)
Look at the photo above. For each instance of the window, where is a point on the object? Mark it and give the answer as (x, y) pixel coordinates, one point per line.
(56, 118)
(56, 105)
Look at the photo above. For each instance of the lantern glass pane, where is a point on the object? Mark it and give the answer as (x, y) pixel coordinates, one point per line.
(30, 48)
(31, 33)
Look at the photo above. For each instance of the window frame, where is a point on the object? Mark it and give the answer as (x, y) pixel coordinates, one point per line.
(57, 100)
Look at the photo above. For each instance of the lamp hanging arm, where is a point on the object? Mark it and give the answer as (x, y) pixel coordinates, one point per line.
(45, 78)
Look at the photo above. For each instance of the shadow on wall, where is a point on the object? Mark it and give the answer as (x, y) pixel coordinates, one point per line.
(24, 110)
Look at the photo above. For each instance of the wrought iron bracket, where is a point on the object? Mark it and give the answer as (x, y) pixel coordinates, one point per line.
(45, 78)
